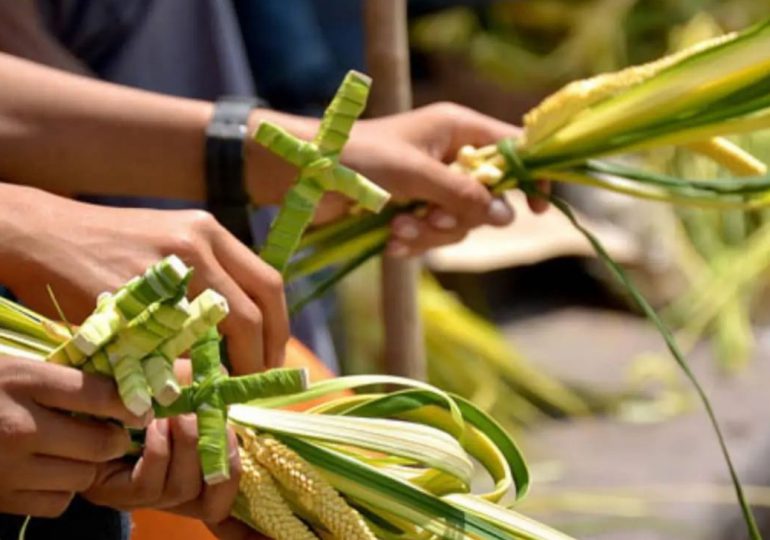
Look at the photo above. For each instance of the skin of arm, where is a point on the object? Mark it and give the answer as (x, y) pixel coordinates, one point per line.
(70, 134)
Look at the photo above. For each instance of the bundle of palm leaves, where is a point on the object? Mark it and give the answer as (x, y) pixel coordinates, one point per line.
(373, 464)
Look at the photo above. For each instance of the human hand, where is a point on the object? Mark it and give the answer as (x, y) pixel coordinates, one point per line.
(47, 455)
(168, 475)
(229, 528)
(407, 154)
(83, 249)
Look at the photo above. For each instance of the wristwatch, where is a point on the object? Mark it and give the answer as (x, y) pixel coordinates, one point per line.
(227, 198)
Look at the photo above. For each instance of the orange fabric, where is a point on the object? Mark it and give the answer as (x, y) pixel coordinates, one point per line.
(297, 355)
(155, 525)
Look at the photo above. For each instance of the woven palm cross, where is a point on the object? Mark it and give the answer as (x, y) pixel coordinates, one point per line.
(319, 169)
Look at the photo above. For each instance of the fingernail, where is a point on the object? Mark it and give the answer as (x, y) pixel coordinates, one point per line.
(407, 230)
(499, 212)
(398, 250)
(442, 220)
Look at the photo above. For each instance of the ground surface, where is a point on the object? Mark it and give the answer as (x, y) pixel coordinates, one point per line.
(675, 465)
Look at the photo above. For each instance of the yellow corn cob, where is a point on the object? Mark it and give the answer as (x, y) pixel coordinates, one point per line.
(730, 156)
(267, 508)
(312, 490)
(557, 109)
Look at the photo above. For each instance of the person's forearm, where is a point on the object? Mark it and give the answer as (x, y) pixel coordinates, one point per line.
(25, 213)
(70, 134)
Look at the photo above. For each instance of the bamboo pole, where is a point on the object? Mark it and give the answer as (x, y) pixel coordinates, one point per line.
(387, 56)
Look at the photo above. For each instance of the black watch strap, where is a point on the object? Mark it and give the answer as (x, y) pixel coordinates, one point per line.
(227, 198)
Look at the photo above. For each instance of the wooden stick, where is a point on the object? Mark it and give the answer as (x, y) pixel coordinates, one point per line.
(387, 55)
